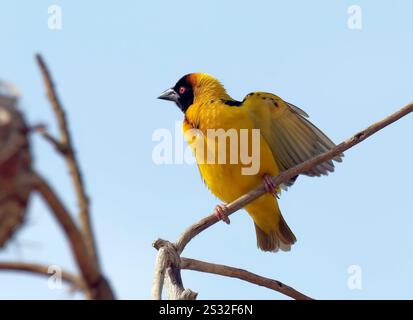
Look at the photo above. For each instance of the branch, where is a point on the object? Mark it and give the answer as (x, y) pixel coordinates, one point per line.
(168, 267)
(159, 276)
(65, 144)
(41, 269)
(59, 147)
(226, 271)
(285, 176)
(94, 280)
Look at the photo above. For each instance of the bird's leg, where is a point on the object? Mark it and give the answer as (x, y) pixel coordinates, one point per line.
(220, 212)
(269, 184)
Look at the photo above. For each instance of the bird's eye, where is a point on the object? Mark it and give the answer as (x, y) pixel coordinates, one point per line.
(182, 90)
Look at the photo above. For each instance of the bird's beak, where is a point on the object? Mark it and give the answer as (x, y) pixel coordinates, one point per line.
(170, 95)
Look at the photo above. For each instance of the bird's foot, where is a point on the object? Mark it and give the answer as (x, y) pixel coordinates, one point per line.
(269, 184)
(220, 212)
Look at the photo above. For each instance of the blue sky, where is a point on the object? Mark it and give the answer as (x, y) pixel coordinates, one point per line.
(111, 61)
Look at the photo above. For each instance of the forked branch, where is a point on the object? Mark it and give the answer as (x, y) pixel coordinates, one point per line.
(81, 239)
(65, 146)
(96, 283)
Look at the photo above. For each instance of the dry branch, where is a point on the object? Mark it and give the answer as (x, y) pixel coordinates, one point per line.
(59, 147)
(42, 269)
(81, 240)
(226, 271)
(168, 267)
(66, 145)
(96, 283)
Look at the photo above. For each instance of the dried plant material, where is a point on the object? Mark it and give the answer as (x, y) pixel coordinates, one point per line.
(81, 239)
(18, 180)
(15, 165)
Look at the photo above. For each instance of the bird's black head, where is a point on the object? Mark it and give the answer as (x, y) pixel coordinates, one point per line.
(182, 93)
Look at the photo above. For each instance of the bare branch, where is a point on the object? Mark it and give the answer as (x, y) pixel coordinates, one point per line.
(70, 156)
(159, 276)
(242, 201)
(226, 271)
(94, 280)
(168, 268)
(59, 147)
(42, 269)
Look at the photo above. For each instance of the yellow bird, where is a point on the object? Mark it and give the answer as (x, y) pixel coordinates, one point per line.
(285, 138)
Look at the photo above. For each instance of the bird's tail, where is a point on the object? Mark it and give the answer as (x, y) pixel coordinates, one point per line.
(280, 238)
(272, 231)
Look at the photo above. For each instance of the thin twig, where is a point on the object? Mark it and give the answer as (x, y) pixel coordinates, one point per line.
(226, 271)
(71, 159)
(60, 147)
(285, 176)
(94, 280)
(42, 269)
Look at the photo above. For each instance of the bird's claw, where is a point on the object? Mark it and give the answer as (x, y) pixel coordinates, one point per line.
(269, 184)
(220, 212)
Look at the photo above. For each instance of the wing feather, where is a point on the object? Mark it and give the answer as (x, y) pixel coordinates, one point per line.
(292, 138)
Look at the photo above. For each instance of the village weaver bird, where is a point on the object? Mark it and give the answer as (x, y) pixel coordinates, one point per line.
(286, 139)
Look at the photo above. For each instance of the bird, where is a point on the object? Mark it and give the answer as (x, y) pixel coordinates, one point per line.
(286, 139)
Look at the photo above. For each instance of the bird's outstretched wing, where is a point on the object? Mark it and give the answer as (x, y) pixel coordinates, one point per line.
(291, 137)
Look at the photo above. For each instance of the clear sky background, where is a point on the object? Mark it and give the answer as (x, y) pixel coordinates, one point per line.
(111, 61)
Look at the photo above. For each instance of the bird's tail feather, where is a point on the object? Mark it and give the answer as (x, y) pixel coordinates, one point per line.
(281, 238)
